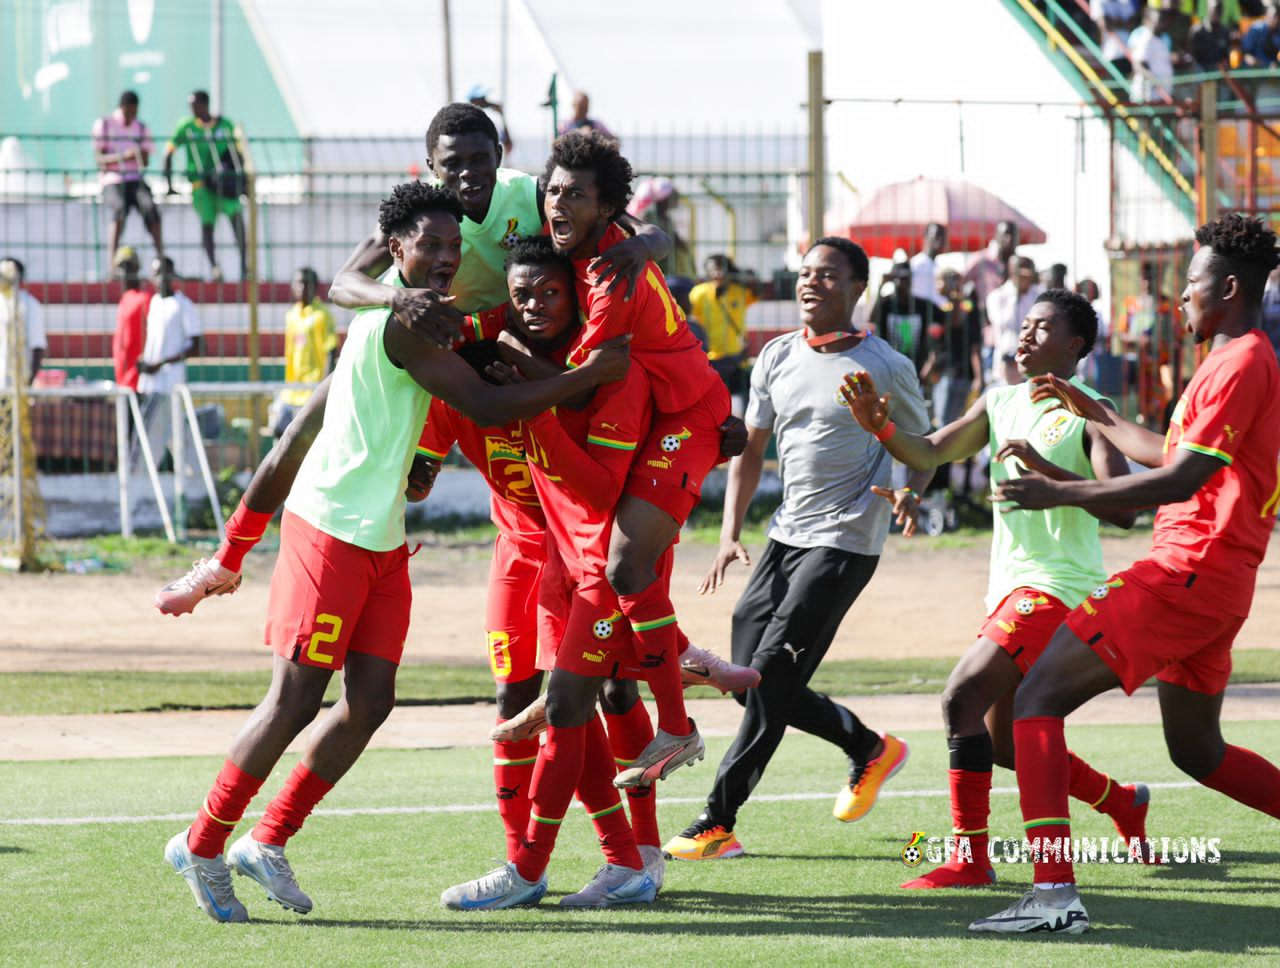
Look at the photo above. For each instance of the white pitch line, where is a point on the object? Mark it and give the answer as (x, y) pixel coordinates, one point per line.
(489, 807)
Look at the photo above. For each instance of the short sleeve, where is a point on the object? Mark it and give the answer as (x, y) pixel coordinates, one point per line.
(1217, 416)
(329, 335)
(100, 134)
(439, 432)
(760, 411)
(906, 406)
(622, 419)
(191, 325)
(147, 144)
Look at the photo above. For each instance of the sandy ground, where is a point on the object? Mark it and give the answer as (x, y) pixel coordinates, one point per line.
(923, 601)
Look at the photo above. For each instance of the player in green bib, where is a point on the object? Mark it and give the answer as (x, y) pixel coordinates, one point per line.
(340, 594)
(499, 206)
(215, 169)
(1043, 564)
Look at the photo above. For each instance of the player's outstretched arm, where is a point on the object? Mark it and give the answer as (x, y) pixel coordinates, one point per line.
(958, 440)
(625, 260)
(1137, 443)
(424, 311)
(744, 478)
(446, 375)
(1170, 484)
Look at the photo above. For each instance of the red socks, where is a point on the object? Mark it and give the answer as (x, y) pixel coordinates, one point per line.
(970, 808)
(629, 734)
(291, 806)
(512, 773)
(555, 777)
(1040, 753)
(222, 810)
(1245, 776)
(603, 804)
(653, 619)
(245, 529)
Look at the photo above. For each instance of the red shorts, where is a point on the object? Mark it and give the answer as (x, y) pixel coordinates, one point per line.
(1023, 623)
(1149, 621)
(675, 457)
(581, 627)
(329, 597)
(511, 612)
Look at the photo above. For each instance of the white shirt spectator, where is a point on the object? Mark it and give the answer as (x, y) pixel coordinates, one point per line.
(172, 322)
(1005, 311)
(1113, 41)
(32, 314)
(1150, 52)
(924, 278)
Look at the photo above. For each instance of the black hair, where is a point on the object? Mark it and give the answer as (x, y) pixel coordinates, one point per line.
(309, 275)
(200, 96)
(1081, 318)
(1243, 247)
(22, 269)
(589, 150)
(408, 202)
(859, 265)
(163, 263)
(460, 118)
(129, 97)
(537, 250)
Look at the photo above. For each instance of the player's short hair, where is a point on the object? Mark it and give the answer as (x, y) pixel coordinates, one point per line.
(17, 264)
(589, 150)
(309, 275)
(537, 250)
(162, 263)
(1082, 319)
(1243, 247)
(410, 201)
(199, 95)
(129, 97)
(461, 118)
(858, 262)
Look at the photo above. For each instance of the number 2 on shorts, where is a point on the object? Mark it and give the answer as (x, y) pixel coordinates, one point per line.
(318, 639)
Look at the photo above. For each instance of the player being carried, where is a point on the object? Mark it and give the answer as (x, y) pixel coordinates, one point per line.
(1175, 613)
(340, 592)
(1043, 564)
(543, 314)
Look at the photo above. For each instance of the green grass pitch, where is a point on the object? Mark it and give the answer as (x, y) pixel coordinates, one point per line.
(812, 891)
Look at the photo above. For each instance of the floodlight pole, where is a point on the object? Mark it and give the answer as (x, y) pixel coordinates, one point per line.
(448, 54)
(817, 150)
(215, 58)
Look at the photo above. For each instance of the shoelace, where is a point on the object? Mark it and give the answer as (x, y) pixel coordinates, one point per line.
(219, 880)
(278, 864)
(495, 880)
(199, 574)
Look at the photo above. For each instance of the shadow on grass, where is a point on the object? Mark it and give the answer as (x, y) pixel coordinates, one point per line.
(1119, 918)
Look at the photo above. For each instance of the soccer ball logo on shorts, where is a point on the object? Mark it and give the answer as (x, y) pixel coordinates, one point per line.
(1102, 591)
(603, 629)
(1026, 606)
(671, 442)
(911, 854)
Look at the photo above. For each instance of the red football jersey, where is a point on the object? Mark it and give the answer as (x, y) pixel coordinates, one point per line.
(499, 454)
(482, 326)
(597, 445)
(1231, 411)
(661, 339)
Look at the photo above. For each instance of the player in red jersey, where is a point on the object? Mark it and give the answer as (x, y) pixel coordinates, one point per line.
(579, 461)
(1175, 613)
(585, 184)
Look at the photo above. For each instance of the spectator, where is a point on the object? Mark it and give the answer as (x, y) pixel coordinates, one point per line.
(1146, 331)
(122, 147)
(1150, 51)
(653, 202)
(216, 171)
(310, 348)
(582, 119)
(990, 267)
(479, 96)
(16, 304)
(1210, 40)
(173, 333)
(1115, 19)
(1270, 323)
(1055, 277)
(902, 320)
(1007, 307)
(721, 304)
(1261, 42)
(129, 338)
(955, 345)
(924, 265)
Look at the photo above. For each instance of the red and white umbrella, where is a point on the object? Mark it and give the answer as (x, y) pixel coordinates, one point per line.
(896, 216)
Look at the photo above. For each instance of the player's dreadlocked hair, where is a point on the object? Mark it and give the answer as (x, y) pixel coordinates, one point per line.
(537, 250)
(460, 118)
(1081, 318)
(592, 151)
(859, 265)
(410, 201)
(1243, 247)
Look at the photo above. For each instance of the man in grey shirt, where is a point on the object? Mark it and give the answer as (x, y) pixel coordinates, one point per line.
(824, 541)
